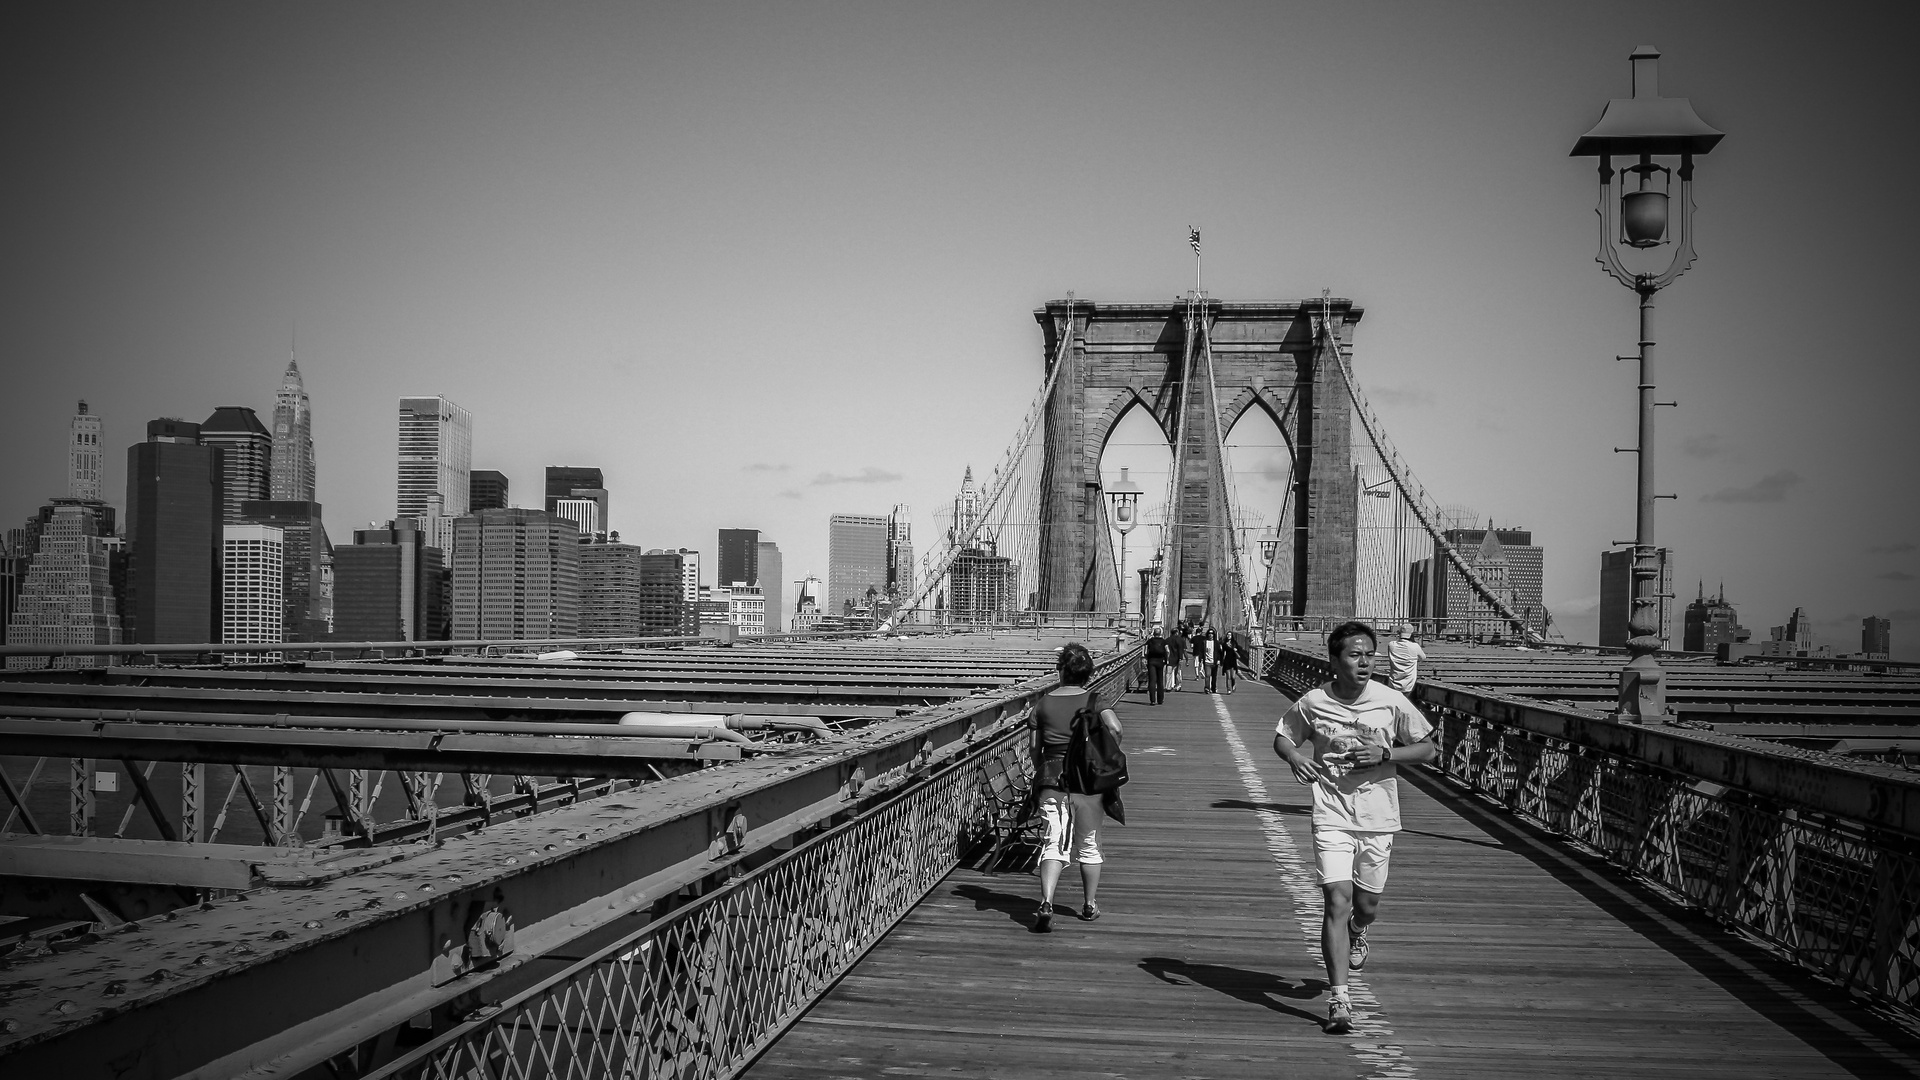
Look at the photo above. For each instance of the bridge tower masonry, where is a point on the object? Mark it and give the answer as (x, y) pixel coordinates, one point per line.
(1264, 356)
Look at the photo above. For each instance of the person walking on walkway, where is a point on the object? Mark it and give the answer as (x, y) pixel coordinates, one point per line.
(1403, 660)
(1344, 740)
(1229, 660)
(1176, 655)
(1198, 643)
(1209, 657)
(1072, 817)
(1156, 668)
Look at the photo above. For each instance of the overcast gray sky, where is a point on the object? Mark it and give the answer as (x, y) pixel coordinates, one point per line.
(766, 263)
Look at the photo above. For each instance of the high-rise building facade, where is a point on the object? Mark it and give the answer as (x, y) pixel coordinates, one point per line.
(856, 561)
(307, 557)
(747, 609)
(584, 513)
(610, 590)
(1508, 564)
(576, 482)
(1710, 622)
(487, 491)
(516, 576)
(252, 601)
(246, 452)
(389, 585)
(175, 492)
(739, 557)
(1616, 596)
(664, 608)
(293, 474)
(689, 574)
(436, 457)
(985, 586)
(773, 587)
(899, 556)
(85, 479)
(67, 596)
(1876, 637)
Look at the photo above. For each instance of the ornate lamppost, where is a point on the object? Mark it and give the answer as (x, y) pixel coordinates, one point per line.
(1269, 542)
(1125, 497)
(1650, 131)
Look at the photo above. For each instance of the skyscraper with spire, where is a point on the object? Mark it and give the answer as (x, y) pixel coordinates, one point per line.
(293, 469)
(83, 455)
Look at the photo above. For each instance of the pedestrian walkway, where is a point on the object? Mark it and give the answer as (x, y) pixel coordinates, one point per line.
(1499, 952)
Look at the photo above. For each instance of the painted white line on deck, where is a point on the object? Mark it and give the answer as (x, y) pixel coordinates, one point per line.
(1369, 1022)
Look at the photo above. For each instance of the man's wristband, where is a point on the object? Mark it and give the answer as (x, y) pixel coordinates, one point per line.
(1388, 760)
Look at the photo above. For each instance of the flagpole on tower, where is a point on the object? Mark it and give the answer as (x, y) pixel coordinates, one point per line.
(1199, 280)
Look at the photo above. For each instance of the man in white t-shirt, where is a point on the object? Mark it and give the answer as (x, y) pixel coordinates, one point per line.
(1403, 660)
(1344, 739)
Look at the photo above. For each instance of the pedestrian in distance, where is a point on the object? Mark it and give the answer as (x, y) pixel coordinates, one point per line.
(1156, 668)
(1344, 740)
(1072, 818)
(1198, 650)
(1403, 660)
(1229, 660)
(1209, 655)
(1176, 655)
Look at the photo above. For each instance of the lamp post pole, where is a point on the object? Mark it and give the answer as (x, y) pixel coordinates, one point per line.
(1644, 127)
(1125, 497)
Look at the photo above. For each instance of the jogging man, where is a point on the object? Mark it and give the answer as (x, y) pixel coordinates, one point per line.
(1344, 739)
(1403, 660)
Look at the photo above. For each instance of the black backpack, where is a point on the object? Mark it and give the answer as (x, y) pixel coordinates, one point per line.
(1095, 762)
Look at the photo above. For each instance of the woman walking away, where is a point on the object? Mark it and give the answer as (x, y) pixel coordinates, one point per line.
(1156, 668)
(1176, 655)
(1072, 817)
(1208, 657)
(1229, 659)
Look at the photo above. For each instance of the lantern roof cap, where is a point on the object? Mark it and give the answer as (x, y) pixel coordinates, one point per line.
(1647, 123)
(1124, 486)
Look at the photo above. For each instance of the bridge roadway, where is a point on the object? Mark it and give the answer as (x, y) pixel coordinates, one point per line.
(1501, 952)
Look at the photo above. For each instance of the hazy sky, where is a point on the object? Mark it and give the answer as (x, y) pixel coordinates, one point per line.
(766, 263)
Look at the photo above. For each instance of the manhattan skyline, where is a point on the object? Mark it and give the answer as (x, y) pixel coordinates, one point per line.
(550, 220)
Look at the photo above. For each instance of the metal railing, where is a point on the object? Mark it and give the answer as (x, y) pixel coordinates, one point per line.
(1816, 856)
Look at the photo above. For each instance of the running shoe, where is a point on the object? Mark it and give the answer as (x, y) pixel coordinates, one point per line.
(1339, 1016)
(1090, 911)
(1043, 922)
(1356, 946)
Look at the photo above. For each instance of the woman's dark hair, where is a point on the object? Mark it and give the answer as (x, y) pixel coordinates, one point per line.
(1076, 664)
(1338, 639)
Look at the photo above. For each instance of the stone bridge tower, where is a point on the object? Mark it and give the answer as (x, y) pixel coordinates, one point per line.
(1264, 356)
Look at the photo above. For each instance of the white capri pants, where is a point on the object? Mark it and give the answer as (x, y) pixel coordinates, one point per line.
(1073, 823)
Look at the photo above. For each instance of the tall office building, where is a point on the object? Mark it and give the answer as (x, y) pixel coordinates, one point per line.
(246, 457)
(576, 482)
(663, 604)
(436, 457)
(585, 515)
(516, 576)
(985, 585)
(252, 578)
(856, 561)
(1616, 596)
(739, 557)
(899, 556)
(487, 491)
(84, 464)
(1876, 637)
(1711, 622)
(1508, 564)
(307, 557)
(390, 585)
(292, 476)
(773, 587)
(175, 491)
(747, 609)
(689, 574)
(66, 596)
(610, 590)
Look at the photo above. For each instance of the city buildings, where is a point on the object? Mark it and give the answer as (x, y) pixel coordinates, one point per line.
(856, 561)
(174, 501)
(1616, 596)
(1876, 638)
(390, 585)
(516, 576)
(984, 587)
(585, 515)
(1508, 564)
(739, 561)
(435, 457)
(252, 601)
(899, 556)
(84, 475)
(664, 608)
(611, 590)
(1795, 639)
(689, 575)
(577, 482)
(292, 475)
(772, 587)
(246, 452)
(1711, 622)
(307, 556)
(487, 491)
(65, 590)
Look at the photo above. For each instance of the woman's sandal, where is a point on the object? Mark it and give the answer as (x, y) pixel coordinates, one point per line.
(1090, 911)
(1043, 921)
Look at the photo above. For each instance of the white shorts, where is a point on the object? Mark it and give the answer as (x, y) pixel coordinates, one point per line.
(1359, 857)
(1073, 823)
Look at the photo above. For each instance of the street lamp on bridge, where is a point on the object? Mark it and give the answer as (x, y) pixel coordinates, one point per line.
(1650, 131)
(1125, 497)
(1269, 542)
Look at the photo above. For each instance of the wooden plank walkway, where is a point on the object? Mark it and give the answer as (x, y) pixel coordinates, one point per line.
(1499, 953)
